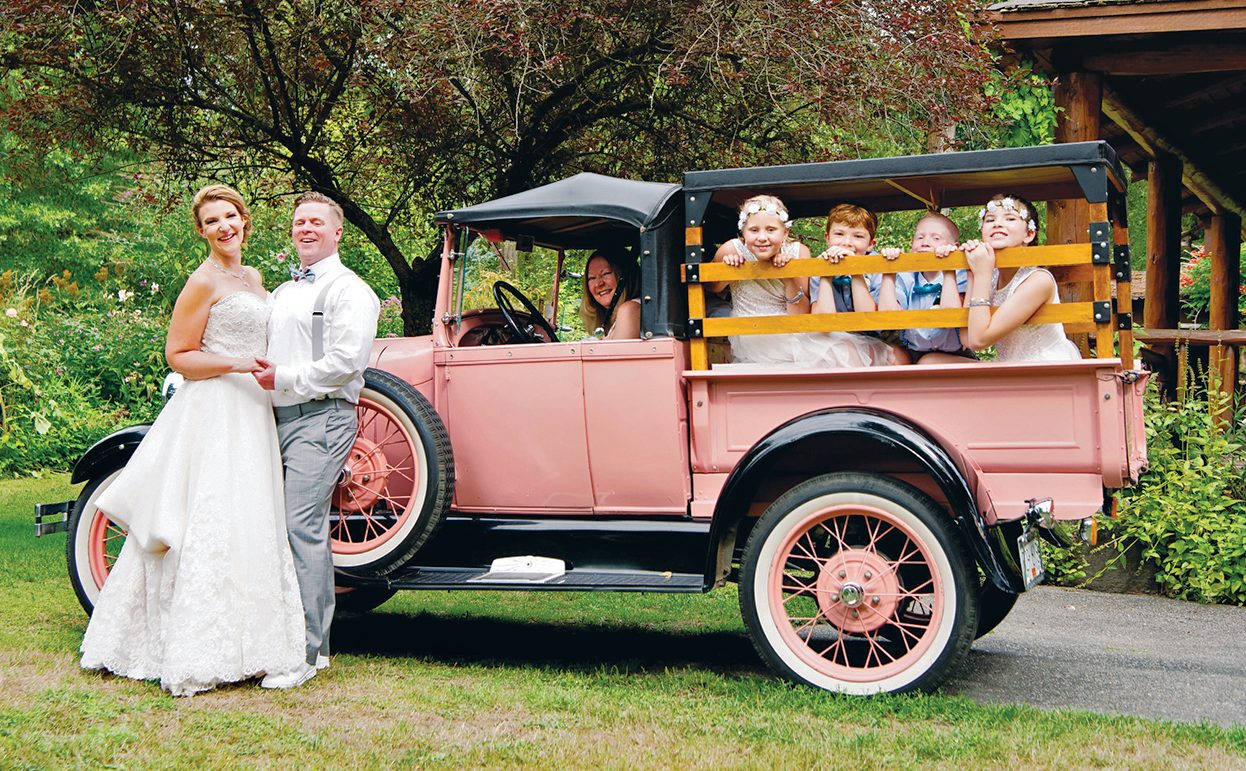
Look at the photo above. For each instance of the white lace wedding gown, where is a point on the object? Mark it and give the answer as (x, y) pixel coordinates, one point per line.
(765, 297)
(1034, 342)
(204, 590)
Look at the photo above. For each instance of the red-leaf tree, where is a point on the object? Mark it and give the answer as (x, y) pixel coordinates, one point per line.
(398, 107)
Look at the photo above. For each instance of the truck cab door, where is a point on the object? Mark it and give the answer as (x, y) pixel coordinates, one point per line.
(515, 414)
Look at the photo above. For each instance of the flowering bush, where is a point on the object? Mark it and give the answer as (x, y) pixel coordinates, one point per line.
(389, 323)
(75, 362)
(1194, 284)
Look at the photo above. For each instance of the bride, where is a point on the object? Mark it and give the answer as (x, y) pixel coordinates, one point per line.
(204, 590)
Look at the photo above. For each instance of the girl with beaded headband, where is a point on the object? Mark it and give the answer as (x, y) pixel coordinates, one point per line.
(765, 236)
(1009, 222)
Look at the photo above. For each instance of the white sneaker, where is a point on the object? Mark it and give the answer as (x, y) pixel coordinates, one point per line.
(291, 679)
(322, 661)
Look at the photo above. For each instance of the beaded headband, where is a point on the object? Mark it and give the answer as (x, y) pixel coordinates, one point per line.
(1008, 204)
(757, 208)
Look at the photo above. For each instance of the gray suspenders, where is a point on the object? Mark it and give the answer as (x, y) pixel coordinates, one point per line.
(317, 328)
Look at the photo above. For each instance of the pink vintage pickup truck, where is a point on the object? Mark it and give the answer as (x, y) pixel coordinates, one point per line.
(876, 520)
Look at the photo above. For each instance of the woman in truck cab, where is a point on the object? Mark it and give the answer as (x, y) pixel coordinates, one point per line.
(610, 307)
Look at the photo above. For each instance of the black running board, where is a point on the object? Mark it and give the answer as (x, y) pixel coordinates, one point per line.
(439, 578)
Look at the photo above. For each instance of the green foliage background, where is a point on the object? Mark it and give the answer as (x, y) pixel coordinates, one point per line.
(92, 258)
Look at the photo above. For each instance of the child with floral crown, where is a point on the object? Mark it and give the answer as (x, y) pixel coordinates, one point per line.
(765, 236)
(1010, 221)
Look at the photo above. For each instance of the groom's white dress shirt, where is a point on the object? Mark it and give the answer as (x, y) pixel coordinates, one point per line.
(350, 313)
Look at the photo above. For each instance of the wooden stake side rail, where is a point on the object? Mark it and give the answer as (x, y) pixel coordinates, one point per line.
(1047, 256)
(1070, 263)
(1069, 314)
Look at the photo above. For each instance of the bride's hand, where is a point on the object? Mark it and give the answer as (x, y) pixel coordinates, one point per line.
(243, 364)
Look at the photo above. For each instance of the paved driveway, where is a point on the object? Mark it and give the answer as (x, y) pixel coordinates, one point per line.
(1114, 653)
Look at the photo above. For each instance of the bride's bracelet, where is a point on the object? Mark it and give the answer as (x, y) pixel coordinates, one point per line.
(800, 295)
(978, 304)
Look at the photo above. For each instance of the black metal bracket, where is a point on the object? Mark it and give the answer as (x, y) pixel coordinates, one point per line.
(1124, 321)
(52, 517)
(694, 328)
(1093, 180)
(1101, 243)
(692, 272)
(1124, 265)
(1102, 311)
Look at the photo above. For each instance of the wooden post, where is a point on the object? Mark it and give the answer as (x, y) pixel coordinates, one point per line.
(1163, 259)
(1223, 243)
(1079, 98)
(698, 348)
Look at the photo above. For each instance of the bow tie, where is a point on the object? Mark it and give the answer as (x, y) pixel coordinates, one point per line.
(927, 288)
(842, 280)
(303, 274)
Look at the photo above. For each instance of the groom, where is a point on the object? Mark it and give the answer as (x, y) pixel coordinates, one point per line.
(315, 370)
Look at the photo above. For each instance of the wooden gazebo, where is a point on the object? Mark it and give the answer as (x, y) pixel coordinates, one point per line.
(1164, 81)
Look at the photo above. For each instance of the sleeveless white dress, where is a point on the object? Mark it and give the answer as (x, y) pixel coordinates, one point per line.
(1035, 342)
(204, 590)
(814, 350)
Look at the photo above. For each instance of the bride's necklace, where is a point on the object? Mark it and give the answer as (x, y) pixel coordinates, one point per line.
(221, 268)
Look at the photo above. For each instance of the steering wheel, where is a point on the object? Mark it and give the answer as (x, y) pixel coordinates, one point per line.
(524, 333)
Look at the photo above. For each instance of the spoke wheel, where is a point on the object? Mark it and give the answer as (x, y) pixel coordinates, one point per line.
(93, 542)
(397, 482)
(857, 583)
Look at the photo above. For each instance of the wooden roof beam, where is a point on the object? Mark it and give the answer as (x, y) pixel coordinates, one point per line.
(1155, 144)
(1226, 118)
(1199, 97)
(1021, 21)
(1172, 60)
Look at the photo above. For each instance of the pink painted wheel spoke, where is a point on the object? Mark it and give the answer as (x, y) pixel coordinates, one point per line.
(863, 569)
(383, 479)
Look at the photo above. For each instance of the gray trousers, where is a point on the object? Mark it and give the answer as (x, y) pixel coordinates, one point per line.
(313, 449)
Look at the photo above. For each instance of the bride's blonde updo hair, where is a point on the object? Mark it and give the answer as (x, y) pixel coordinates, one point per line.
(222, 193)
(763, 204)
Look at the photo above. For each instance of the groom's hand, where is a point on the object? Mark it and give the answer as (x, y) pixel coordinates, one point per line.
(266, 375)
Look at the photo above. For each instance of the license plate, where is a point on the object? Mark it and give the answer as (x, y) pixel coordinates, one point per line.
(1031, 559)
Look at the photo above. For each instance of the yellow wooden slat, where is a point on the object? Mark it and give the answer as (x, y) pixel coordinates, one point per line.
(1061, 254)
(1103, 293)
(698, 349)
(1073, 274)
(1079, 313)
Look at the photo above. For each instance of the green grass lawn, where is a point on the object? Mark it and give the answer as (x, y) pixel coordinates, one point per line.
(486, 679)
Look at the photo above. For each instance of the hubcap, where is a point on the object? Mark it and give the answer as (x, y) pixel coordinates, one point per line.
(857, 591)
(363, 478)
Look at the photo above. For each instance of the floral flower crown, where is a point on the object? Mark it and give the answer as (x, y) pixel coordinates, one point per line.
(757, 208)
(1008, 204)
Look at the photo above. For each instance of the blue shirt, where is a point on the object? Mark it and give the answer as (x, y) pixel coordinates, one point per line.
(924, 340)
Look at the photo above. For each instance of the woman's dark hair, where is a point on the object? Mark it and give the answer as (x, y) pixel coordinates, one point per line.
(593, 314)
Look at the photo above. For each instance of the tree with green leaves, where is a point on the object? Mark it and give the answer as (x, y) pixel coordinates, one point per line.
(398, 107)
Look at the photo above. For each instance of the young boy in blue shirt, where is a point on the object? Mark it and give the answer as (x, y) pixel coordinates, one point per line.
(918, 290)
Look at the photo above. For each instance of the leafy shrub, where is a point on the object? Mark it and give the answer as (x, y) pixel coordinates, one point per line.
(76, 361)
(1187, 513)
